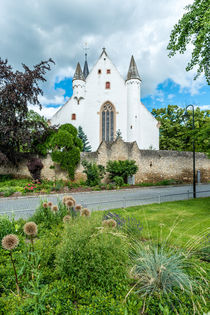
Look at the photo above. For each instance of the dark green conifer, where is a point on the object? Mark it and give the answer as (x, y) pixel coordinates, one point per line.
(83, 137)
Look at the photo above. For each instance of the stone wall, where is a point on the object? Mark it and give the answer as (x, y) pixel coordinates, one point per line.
(153, 165)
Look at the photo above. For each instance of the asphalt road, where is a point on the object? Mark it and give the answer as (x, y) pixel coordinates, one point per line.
(101, 200)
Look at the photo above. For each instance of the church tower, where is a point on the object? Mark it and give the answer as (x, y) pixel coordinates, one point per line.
(133, 83)
(78, 83)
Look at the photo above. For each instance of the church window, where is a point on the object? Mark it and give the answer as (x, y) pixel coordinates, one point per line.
(108, 71)
(73, 116)
(107, 122)
(99, 71)
(107, 85)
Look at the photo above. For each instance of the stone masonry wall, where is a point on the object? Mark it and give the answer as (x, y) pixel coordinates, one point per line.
(153, 165)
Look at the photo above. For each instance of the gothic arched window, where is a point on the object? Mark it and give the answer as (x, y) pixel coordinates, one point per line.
(107, 122)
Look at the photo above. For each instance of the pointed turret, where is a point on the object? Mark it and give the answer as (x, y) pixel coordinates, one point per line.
(85, 70)
(133, 71)
(78, 75)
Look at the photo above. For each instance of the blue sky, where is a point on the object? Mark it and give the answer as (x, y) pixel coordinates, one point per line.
(168, 92)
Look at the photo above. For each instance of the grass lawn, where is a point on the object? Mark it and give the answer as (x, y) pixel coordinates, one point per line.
(82, 266)
(191, 217)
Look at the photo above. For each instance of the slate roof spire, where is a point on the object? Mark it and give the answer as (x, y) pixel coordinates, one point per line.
(78, 75)
(133, 71)
(85, 69)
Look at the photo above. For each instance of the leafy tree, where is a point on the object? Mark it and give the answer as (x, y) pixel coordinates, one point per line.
(83, 137)
(41, 133)
(194, 27)
(176, 131)
(17, 90)
(66, 147)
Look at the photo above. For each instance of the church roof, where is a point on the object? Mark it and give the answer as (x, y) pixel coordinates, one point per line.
(133, 71)
(78, 75)
(85, 70)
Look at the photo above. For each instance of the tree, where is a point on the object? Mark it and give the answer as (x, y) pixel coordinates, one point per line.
(17, 90)
(194, 27)
(83, 137)
(66, 147)
(176, 132)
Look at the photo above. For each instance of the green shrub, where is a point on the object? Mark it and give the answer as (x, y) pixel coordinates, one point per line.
(121, 168)
(66, 147)
(91, 259)
(47, 217)
(5, 177)
(118, 180)
(94, 173)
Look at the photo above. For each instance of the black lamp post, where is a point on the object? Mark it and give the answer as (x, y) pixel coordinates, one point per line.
(193, 127)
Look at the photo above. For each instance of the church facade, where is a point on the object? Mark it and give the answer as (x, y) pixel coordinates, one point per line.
(104, 103)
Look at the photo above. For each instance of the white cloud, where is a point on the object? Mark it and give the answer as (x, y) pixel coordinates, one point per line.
(36, 30)
(47, 112)
(204, 107)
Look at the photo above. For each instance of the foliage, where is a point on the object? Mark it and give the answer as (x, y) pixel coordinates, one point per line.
(7, 226)
(91, 259)
(95, 278)
(48, 218)
(94, 173)
(83, 137)
(40, 142)
(193, 28)
(35, 166)
(177, 133)
(118, 180)
(17, 89)
(66, 147)
(121, 168)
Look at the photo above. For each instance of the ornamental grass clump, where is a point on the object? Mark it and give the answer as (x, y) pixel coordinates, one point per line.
(10, 242)
(161, 271)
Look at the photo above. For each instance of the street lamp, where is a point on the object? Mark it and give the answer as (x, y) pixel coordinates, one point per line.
(193, 127)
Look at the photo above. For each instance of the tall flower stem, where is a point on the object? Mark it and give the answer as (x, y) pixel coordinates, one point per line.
(16, 278)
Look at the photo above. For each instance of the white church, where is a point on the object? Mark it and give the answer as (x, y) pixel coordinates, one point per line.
(103, 103)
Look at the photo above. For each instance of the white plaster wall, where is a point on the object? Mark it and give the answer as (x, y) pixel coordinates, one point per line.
(149, 132)
(133, 104)
(97, 95)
